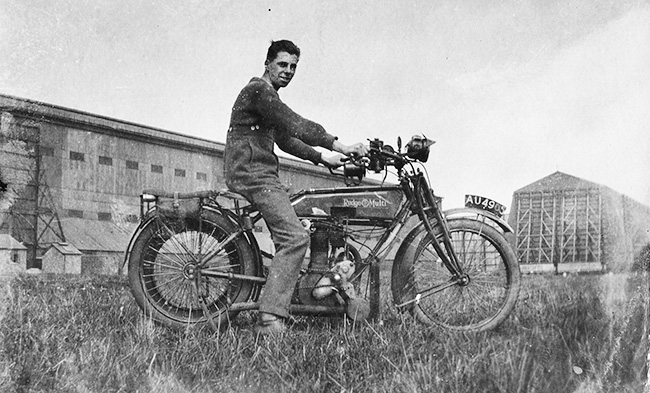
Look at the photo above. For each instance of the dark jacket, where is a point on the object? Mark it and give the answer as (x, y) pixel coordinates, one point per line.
(258, 120)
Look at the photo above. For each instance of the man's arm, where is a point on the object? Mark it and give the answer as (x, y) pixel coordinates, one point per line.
(296, 147)
(267, 103)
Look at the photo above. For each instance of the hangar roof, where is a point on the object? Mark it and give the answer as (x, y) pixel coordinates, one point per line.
(559, 181)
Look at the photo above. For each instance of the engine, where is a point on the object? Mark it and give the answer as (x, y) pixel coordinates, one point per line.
(332, 264)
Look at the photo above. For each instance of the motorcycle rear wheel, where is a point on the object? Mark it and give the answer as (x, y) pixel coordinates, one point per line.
(165, 271)
(487, 258)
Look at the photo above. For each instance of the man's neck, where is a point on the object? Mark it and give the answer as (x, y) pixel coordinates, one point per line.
(266, 79)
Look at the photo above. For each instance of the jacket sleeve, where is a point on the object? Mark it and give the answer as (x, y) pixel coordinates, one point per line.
(268, 104)
(296, 147)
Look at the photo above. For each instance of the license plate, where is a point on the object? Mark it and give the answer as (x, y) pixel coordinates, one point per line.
(483, 203)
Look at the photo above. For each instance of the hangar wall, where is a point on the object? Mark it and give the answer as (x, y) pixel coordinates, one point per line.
(75, 177)
(571, 223)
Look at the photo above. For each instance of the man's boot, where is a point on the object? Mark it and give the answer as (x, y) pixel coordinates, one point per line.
(269, 324)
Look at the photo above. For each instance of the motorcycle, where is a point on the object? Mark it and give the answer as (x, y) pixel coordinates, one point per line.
(195, 260)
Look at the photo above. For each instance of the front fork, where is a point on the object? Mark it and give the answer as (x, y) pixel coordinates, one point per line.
(428, 211)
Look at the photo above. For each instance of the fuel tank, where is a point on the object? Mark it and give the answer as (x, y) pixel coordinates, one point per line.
(373, 203)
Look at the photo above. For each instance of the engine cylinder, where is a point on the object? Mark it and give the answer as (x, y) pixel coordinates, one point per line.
(318, 249)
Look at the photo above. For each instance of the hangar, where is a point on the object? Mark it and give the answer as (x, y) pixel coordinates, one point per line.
(566, 223)
(73, 177)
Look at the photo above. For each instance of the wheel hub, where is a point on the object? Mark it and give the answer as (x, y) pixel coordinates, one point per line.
(189, 271)
(464, 280)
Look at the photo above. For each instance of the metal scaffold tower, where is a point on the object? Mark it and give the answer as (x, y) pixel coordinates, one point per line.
(28, 211)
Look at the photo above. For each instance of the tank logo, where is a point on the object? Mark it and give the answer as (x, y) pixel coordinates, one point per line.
(365, 202)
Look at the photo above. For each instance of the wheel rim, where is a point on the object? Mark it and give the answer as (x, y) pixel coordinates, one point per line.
(171, 272)
(479, 295)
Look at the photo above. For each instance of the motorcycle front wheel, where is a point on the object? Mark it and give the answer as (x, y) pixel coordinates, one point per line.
(481, 301)
(168, 270)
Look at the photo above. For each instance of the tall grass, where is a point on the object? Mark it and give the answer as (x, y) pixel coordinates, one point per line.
(87, 335)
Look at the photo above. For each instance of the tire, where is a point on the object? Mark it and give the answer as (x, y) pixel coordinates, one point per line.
(162, 270)
(484, 255)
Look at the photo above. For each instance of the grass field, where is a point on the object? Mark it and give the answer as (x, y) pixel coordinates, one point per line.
(568, 334)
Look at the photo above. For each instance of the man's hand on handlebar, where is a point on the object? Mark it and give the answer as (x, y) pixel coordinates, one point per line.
(360, 149)
(333, 161)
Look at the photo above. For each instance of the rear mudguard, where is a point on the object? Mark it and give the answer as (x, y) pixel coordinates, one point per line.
(206, 210)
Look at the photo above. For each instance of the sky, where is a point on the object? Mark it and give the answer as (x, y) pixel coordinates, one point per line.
(511, 91)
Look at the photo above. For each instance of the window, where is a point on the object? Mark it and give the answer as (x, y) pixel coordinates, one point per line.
(76, 213)
(103, 160)
(156, 168)
(131, 164)
(76, 156)
(47, 151)
(179, 172)
(104, 216)
(201, 176)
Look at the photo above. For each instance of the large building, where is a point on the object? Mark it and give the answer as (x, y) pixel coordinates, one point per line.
(74, 178)
(568, 223)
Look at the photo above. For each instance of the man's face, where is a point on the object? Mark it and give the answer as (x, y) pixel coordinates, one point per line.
(281, 69)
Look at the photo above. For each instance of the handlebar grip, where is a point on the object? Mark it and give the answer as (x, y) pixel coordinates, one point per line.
(387, 153)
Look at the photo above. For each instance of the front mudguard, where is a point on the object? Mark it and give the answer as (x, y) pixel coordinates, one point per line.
(485, 216)
(457, 214)
(481, 215)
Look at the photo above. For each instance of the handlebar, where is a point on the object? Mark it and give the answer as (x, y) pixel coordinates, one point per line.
(380, 156)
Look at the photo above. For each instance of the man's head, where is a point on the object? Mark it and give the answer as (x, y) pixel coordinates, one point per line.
(281, 62)
(281, 46)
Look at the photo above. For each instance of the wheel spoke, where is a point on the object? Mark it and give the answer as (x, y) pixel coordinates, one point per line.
(485, 293)
(168, 256)
(158, 284)
(162, 265)
(166, 267)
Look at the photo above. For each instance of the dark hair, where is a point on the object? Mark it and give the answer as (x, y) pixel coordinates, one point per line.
(281, 46)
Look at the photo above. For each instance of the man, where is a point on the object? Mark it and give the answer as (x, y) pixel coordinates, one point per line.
(258, 120)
